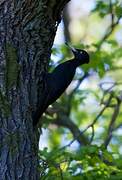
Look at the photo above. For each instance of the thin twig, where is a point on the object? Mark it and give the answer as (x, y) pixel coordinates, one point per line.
(101, 112)
(93, 133)
(111, 12)
(78, 135)
(112, 122)
(109, 31)
(61, 174)
(74, 91)
(105, 91)
(113, 84)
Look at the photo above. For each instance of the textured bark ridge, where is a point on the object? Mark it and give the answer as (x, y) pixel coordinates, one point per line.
(27, 31)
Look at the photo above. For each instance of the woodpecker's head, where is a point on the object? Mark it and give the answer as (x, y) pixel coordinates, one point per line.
(81, 56)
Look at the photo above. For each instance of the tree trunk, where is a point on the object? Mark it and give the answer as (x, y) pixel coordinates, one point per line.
(27, 31)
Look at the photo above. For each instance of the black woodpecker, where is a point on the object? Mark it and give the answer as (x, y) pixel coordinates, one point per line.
(56, 82)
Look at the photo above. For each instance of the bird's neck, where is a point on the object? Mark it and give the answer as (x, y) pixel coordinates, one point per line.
(76, 62)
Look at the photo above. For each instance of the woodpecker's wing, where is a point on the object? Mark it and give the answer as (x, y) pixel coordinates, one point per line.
(57, 81)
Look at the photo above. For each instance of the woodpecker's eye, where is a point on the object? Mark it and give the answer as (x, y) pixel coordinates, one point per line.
(81, 52)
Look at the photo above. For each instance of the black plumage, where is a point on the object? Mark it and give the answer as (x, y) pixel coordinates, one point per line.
(57, 81)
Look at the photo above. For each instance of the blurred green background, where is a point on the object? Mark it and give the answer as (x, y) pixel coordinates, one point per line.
(82, 132)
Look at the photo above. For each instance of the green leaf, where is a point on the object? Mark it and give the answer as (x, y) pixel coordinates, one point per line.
(118, 10)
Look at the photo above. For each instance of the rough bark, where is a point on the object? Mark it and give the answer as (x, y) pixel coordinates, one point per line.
(27, 31)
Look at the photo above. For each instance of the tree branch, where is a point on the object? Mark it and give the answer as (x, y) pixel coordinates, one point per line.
(112, 26)
(112, 122)
(64, 121)
(101, 112)
(109, 31)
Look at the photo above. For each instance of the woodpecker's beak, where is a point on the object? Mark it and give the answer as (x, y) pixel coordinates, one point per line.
(72, 48)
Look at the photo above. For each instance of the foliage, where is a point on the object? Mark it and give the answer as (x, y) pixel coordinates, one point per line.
(90, 162)
(91, 105)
